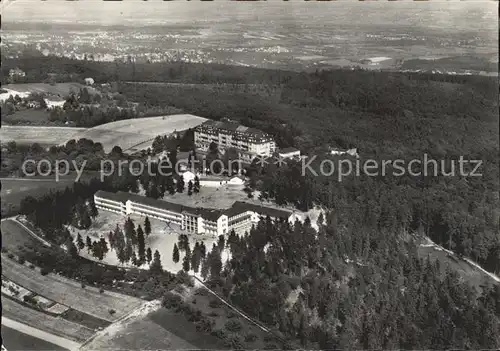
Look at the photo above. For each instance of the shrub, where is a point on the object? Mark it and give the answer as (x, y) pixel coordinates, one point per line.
(171, 300)
(101, 290)
(30, 299)
(250, 337)
(201, 292)
(44, 271)
(213, 314)
(221, 334)
(83, 286)
(5, 250)
(231, 314)
(21, 260)
(233, 325)
(271, 346)
(32, 266)
(193, 302)
(205, 325)
(111, 311)
(11, 256)
(236, 342)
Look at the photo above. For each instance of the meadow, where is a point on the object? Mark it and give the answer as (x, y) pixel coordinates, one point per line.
(137, 133)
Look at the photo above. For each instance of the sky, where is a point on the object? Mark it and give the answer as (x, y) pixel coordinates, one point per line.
(113, 12)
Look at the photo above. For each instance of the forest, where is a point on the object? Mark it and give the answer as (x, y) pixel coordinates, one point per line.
(358, 282)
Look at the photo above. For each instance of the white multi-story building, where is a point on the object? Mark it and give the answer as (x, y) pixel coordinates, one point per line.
(240, 217)
(249, 142)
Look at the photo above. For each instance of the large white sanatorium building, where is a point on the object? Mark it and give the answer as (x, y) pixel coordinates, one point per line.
(240, 217)
(249, 142)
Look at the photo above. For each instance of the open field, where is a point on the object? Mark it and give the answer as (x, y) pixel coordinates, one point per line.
(14, 340)
(14, 235)
(70, 293)
(46, 136)
(61, 89)
(13, 190)
(36, 319)
(131, 133)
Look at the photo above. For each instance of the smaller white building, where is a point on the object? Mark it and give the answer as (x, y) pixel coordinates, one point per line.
(188, 176)
(89, 81)
(352, 152)
(237, 180)
(289, 152)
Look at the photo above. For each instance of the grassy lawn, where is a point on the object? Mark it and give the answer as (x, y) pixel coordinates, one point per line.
(178, 324)
(15, 236)
(36, 319)
(14, 340)
(221, 314)
(69, 292)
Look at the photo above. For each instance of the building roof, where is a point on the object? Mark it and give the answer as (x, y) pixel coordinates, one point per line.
(120, 196)
(241, 206)
(207, 213)
(288, 150)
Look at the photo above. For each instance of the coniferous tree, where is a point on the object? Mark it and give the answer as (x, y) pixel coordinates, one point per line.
(141, 245)
(196, 187)
(147, 226)
(134, 260)
(72, 249)
(149, 255)
(93, 209)
(89, 244)
(79, 242)
(175, 254)
(156, 267)
(190, 188)
(104, 246)
(186, 262)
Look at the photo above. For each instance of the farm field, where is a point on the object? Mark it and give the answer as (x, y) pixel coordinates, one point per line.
(45, 136)
(61, 89)
(131, 133)
(36, 319)
(70, 293)
(14, 340)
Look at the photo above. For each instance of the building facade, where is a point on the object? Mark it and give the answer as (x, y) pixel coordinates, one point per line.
(240, 217)
(249, 142)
